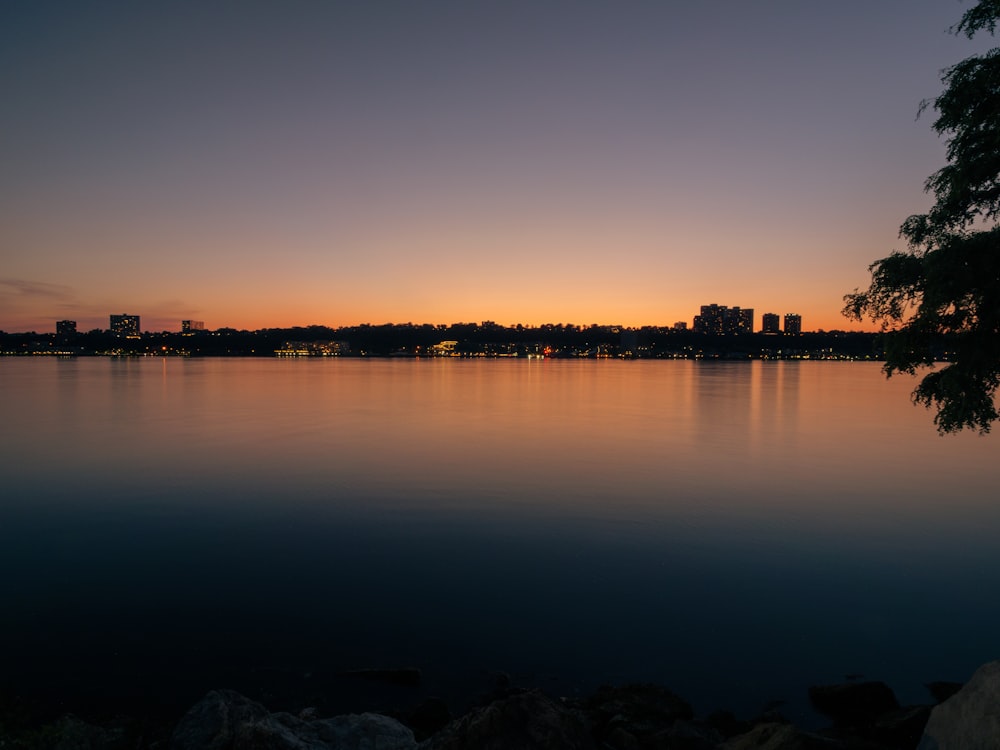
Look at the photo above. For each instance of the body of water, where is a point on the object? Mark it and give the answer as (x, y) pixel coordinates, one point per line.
(735, 531)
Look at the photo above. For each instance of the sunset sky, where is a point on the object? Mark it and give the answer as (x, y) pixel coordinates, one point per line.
(255, 164)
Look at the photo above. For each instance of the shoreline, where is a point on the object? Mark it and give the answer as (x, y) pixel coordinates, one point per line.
(403, 694)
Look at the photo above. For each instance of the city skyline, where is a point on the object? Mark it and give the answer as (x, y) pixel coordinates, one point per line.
(258, 165)
(713, 318)
(728, 337)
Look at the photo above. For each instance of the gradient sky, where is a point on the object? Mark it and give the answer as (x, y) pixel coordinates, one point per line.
(255, 164)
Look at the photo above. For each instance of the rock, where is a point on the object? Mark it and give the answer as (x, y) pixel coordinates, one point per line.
(901, 728)
(365, 731)
(70, 733)
(528, 721)
(767, 737)
(788, 737)
(853, 703)
(643, 711)
(681, 735)
(427, 717)
(619, 738)
(226, 720)
(970, 719)
(691, 735)
(212, 723)
(726, 724)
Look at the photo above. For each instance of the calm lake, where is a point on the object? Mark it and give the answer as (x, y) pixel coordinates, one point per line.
(734, 531)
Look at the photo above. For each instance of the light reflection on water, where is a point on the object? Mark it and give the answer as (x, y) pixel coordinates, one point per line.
(733, 530)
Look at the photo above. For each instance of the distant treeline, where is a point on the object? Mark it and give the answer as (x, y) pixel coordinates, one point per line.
(463, 339)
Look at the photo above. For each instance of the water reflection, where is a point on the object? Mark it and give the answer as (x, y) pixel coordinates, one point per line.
(727, 528)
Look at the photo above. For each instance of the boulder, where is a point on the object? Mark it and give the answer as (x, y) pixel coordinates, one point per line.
(641, 708)
(727, 725)
(70, 733)
(901, 728)
(427, 717)
(226, 720)
(690, 735)
(526, 720)
(213, 722)
(365, 731)
(788, 737)
(853, 703)
(970, 719)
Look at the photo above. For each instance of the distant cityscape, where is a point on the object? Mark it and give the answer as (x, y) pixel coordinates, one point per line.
(717, 332)
(720, 320)
(714, 319)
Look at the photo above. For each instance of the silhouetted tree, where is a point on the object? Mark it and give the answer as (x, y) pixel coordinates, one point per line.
(946, 285)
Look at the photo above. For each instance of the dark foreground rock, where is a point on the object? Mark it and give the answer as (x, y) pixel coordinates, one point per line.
(527, 720)
(630, 717)
(864, 715)
(70, 732)
(428, 717)
(644, 715)
(225, 720)
(787, 737)
(853, 703)
(970, 719)
(869, 711)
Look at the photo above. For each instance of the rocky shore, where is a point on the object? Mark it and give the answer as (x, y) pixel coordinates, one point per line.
(863, 715)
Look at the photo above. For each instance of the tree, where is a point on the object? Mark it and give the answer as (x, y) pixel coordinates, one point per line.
(944, 290)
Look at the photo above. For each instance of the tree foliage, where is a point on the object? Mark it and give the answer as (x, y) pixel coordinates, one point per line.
(943, 291)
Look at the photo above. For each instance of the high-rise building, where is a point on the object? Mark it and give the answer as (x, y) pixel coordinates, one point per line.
(710, 320)
(126, 326)
(770, 323)
(793, 323)
(66, 327)
(189, 326)
(719, 319)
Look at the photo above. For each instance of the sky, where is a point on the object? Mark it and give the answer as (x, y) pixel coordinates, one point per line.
(323, 162)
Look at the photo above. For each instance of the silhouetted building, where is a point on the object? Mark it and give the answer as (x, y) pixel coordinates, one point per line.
(124, 325)
(770, 323)
(680, 325)
(66, 327)
(189, 326)
(710, 319)
(793, 323)
(719, 319)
